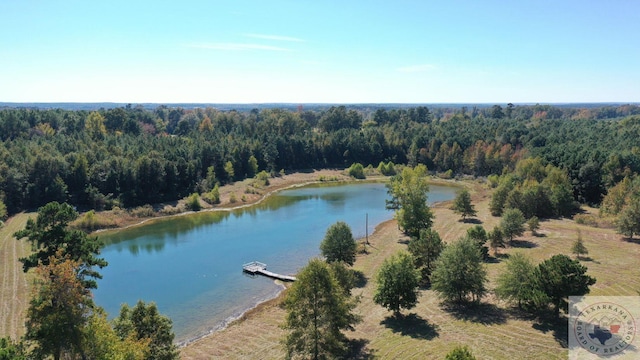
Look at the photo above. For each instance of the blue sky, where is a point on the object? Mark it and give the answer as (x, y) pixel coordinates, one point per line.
(302, 51)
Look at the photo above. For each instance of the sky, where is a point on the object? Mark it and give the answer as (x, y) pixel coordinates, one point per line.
(306, 51)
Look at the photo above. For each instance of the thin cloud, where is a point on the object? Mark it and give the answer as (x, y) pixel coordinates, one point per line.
(416, 68)
(274, 37)
(236, 47)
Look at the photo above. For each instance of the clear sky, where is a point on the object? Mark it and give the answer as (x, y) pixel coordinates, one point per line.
(326, 51)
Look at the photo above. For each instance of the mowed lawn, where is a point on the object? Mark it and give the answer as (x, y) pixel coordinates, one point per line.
(429, 331)
(14, 284)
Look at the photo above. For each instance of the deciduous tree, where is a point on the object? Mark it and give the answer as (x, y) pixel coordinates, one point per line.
(516, 283)
(398, 282)
(59, 309)
(512, 223)
(409, 192)
(459, 275)
(338, 244)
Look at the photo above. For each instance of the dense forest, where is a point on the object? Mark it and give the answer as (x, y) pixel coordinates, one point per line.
(129, 156)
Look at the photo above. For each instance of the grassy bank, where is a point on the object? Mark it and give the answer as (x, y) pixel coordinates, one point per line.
(14, 283)
(492, 331)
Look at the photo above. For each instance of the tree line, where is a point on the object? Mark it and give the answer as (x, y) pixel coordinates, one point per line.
(131, 156)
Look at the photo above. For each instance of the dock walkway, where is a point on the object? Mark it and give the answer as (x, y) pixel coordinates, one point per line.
(255, 267)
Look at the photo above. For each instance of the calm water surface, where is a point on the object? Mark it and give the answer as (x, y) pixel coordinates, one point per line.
(191, 266)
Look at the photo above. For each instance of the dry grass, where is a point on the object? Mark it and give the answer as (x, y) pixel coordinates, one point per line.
(14, 284)
(429, 331)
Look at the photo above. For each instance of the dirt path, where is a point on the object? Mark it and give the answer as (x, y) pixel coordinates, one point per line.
(14, 287)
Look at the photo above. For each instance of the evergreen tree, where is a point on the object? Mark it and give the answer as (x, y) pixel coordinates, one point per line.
(460, 353)
(534, 224)
(425, 250)
(50, 236)
(318, 309)
(496, 239)
(578, 247)
(462, 205)
(560, 277)
(144, 322)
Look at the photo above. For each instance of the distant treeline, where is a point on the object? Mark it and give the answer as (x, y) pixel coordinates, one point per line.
(128, 156)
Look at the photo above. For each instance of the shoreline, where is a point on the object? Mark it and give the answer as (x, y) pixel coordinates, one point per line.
(231, 320)
(246, 314)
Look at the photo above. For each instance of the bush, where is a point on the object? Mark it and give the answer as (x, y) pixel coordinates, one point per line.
(357, 171)
(212, 197)
(232, 198)
(193, 202)
(263, 176)
(143, 211)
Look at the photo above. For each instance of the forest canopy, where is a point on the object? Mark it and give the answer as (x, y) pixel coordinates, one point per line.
(129, 156)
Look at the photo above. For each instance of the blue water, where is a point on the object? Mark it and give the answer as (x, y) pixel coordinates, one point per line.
(191, 266)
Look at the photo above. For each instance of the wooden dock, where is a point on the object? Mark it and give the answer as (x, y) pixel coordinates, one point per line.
(255, 267)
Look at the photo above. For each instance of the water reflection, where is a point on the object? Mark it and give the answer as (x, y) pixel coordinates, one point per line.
(191, 265)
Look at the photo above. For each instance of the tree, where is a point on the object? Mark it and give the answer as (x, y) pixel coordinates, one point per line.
(229, 170)
(409, 192)
(3, 211)
(94, 125)
(338, 244)
(512, 223)
(496, 239)
(534, 224)
(10, 350)
(516, 283)
(628, 222)
(460, 353)
(58, 310)
(50, 236)
(356, 170)
(462, 204)
(578, 247)
(425, 249)
(317, 311)
(479, 235)
(459, 273)
(560, 277)
(144, 322)
(398, 282)
(252, 166)
(102, 342)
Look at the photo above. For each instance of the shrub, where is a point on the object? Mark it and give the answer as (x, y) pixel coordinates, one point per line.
(193, 202)
(212, 197)
(263, 176)
(356, 170)
(143, 211)
(232, 198)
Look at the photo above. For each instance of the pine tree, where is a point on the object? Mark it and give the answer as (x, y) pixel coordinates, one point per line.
(462, 205)
(578, 247)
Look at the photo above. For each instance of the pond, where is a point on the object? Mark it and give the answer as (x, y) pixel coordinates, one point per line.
(191, 266)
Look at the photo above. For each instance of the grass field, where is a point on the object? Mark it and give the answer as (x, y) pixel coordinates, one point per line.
(14, 286)
(492, 331)
(429, 331)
